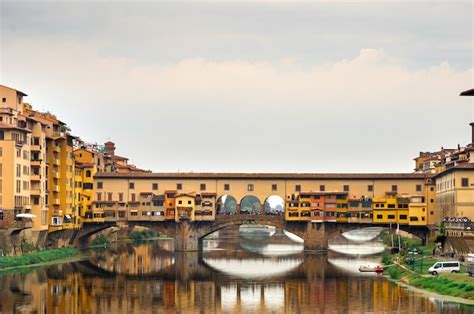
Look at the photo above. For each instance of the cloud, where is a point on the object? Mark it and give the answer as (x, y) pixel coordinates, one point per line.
(153, 109)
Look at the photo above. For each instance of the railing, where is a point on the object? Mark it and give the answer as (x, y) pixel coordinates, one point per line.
(459, 225)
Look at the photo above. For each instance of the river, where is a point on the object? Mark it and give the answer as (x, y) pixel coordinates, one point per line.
(230, 275)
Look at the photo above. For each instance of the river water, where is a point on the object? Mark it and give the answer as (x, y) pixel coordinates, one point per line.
(230, 276)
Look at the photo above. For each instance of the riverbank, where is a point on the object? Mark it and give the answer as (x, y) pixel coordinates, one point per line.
(457, 287)
(40, 258)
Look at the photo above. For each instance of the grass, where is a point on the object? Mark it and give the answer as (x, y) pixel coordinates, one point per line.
(36, 257)
(455, 285)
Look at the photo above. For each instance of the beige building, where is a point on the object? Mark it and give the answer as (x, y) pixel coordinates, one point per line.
(455, 191)
(122, 189)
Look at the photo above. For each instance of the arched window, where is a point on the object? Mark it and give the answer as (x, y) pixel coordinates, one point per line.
(88, 173)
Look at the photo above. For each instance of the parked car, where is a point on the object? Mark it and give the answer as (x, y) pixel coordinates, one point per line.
(445, 267)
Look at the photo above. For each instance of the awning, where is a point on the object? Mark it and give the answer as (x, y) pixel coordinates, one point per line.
(67, 216)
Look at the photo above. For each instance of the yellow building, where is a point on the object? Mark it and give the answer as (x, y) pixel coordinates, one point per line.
(86, 163)
(385, 208)
(185, 207)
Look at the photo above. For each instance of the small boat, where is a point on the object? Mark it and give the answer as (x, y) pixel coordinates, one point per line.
(371, 269)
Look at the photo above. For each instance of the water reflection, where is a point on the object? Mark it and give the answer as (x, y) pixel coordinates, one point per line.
(303, 284)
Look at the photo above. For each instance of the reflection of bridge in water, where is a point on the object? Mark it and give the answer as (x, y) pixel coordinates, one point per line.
(191, 286)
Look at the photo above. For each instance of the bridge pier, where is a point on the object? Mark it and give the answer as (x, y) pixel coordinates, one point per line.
(186, 237)
(316, 237)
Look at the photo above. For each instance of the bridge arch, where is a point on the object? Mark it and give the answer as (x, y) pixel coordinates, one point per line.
(227, 205)
(250, 204)
(274, 205)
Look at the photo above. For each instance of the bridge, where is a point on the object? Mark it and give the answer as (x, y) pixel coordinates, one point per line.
(188, 235)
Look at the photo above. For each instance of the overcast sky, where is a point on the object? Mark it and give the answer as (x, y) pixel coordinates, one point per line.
(256, 86)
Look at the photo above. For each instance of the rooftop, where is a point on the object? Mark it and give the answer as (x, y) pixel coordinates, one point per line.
(281, 176)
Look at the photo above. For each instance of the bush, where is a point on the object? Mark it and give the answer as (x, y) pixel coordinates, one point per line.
(138, 236)
(386, 258)
(36, 258)
(100, 241)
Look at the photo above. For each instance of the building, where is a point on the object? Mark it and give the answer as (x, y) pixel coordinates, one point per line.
(308, 197)
(115, 163)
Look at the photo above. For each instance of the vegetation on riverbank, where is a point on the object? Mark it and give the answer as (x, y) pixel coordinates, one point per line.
(455, 285)
(138, 236)
(100, 241)
(36, 257)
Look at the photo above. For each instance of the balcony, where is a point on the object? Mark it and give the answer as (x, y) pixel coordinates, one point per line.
(35, 177)
(35, 148)
(36, 162)
(55, 201)
(35, 192)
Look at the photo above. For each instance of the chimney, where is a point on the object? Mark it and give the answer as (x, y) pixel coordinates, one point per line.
(110, 148)
(472, 134)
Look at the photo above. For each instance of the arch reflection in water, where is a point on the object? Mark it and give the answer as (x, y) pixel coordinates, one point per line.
(272, 249)
(253, 297)
(351, 265)
(130, 259)
(363, 235)
(358, 249)
(252, 268)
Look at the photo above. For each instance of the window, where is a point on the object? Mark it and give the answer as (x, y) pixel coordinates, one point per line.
(250, 187)
(88, 173)
(418, 187)
(203, 187)
(322, 188)
(394, 188)
(100, 185)
(120, 197)
(431, 189)
(346, 188)
(179, 186)
(379, 216)
(404, 217)
(180, 202)
(109, 197)
(99, 196)
(4, 99)
(465, 182)
(133, 197)
(370, 188)
(189, 202)
(298, 188)
(131, 185)
(274, 187)
(226, 187)
(390, 216)
(154, 186)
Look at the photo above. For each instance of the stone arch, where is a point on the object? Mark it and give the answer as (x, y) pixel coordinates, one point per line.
(274, 205)
(250, 204)
(227, 205)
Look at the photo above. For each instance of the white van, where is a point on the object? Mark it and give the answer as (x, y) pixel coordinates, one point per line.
(445, 267)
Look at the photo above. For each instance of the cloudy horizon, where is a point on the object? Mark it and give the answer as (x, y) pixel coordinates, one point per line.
(249, 87)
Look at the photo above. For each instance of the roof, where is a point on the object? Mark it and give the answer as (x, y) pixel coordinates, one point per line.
(19, 92)
(469, 92)
(464, 166)
(263, 176)
(323, 193)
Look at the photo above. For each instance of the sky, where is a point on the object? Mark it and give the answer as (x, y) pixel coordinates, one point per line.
(251, 86)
